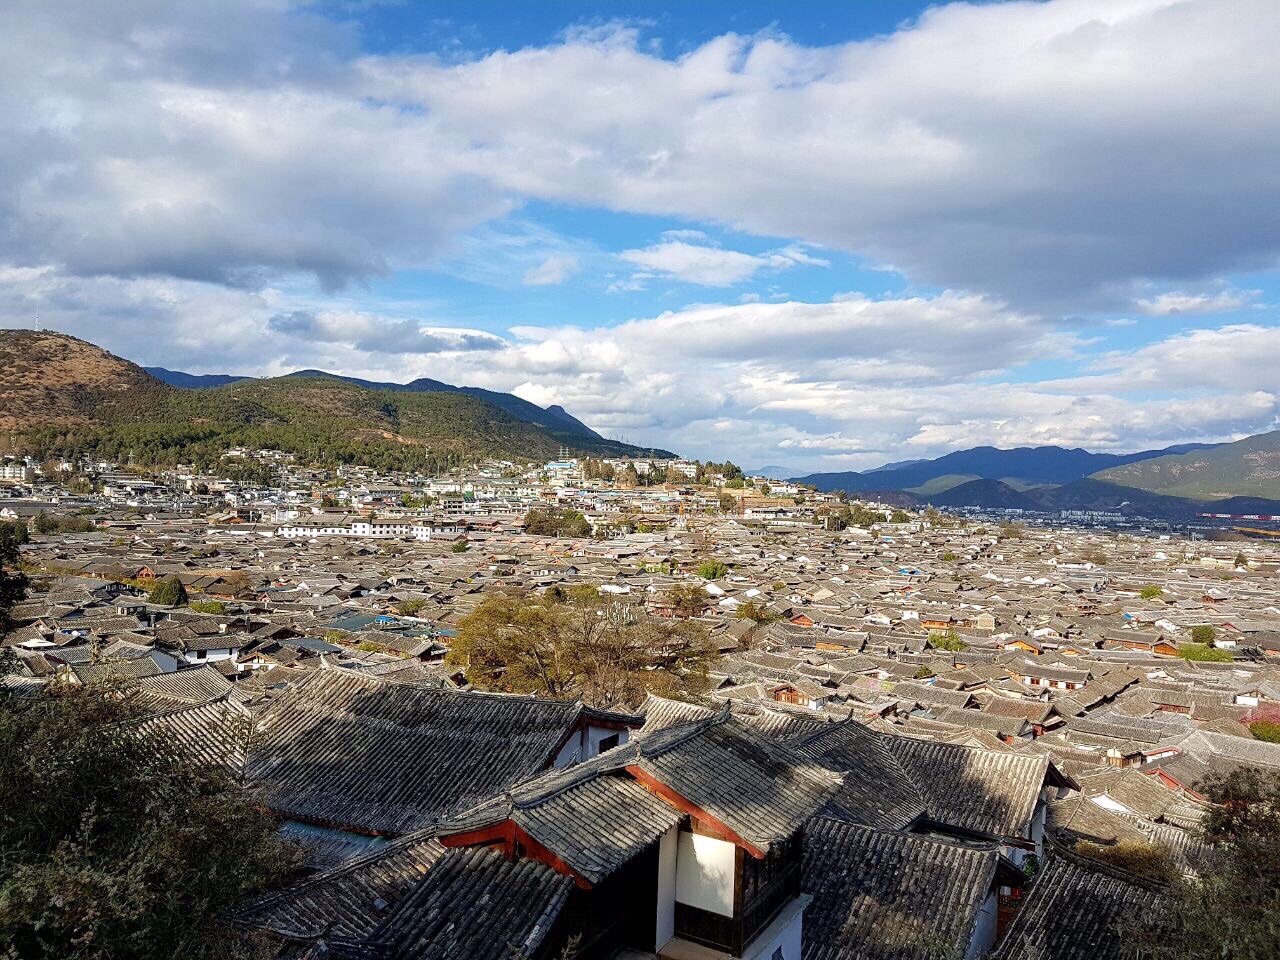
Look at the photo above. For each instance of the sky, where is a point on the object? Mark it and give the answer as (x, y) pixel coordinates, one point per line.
(816, 235)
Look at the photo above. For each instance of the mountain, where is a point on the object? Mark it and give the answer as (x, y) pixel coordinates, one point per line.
(1246, 468)
(554, 419)
(772, 472)
(58, 381)
(1031, 465)
(66, 397)
(192, 381)
(992, 494)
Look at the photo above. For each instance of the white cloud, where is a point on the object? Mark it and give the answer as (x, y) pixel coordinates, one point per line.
(1176, 302)
(553, 270)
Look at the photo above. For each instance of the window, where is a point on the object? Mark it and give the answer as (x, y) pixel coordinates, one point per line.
(609, 742)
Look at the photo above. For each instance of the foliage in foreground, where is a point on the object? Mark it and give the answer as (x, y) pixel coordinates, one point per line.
(580, 644)
(1231, 910)
(115, 845)
(1202, 653)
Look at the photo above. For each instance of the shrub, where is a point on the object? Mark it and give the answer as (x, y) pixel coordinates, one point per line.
(1202, 653)
(1267, 730)
(208, 606)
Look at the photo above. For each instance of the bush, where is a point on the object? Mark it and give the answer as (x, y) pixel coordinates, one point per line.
(169, 592)
(1204, 634)
(1267, 730)
(208, 606)
(1202, 653)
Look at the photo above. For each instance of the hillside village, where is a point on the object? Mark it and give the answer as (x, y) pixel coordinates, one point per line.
(920, 736)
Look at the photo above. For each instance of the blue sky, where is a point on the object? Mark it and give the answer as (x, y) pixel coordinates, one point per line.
(813, 234)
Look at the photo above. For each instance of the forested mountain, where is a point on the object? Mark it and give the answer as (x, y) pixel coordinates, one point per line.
(65, 397)
(555, 418)
(1246, 468)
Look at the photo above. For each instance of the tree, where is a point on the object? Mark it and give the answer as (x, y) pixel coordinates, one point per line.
(118, 845)
(556, 522)
(1151, 591)
(688, 600)
(900, 516)
(13, 582)
(1230, 910)
(948, 641)
(410, 607)
(1240, 561)
(169, 592)
(753, 610)
(712, 570)
(923, 672)
(581, 646)
(460, 546)
(1204, 634)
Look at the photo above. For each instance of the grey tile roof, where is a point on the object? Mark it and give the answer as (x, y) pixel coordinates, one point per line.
(759, 788)
(880, 895)
(356, 751)
(473, 904)
(984, 791)
(1078, 910)
(350, 900)
(876, 790)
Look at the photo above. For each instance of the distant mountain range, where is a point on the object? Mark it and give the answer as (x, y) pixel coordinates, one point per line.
(63, 396)
(553, 418)
(1240, 477)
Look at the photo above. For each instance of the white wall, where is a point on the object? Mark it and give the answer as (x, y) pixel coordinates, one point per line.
(705, 872)
(787, 937)
(983, 937)
(667, 847)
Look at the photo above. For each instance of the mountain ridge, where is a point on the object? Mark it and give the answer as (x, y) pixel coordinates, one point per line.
(64, 396)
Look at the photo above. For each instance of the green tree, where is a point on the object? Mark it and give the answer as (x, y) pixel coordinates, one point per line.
(410, 607)
(949, 641)
(13, 582)
(460, 546)
(1151, 591)
(900, 516)
(753, 610)
(582, 646)
(1240, 561)
(1204, 634)
(169, 592)
(556, 522)
(712, 570)
(116, 844)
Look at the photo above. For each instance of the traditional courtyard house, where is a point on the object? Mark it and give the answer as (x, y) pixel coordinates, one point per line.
(1049, 676)
(1145, 641)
